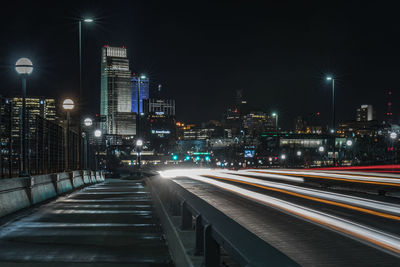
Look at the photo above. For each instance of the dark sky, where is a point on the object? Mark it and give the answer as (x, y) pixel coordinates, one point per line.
(277, 52)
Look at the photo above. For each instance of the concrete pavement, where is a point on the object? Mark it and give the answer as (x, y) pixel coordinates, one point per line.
(108, 224)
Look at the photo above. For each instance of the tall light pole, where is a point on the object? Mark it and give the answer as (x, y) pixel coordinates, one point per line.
(330, 78)
(275, 115)
(68, 105)
(87, 20)
(139, 142)
(24, 67)
(97, 134)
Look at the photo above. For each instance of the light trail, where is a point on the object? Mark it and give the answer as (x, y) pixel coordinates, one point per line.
(374, 237)
(338, 177)
(377, 208)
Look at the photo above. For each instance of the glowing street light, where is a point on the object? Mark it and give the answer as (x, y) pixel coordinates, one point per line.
(332, 79)
(321, 149)
(139, 142)
(393, 135)
(298, 153)
(80, 20)
(88, 122)
(97, 133)
(349, 143)
(283, 156)
(68, 104)
(24, 67)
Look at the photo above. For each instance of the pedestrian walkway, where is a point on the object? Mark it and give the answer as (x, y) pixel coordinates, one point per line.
(108, 224)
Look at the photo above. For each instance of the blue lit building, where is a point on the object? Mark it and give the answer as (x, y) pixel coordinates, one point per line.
(141, 84)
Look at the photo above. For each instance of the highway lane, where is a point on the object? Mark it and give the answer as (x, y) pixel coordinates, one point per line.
(367, 220)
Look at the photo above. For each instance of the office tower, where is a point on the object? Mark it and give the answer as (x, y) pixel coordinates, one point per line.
(139, 83)
(35, 106)
(164, 107)
(115, 103)
(365, 113)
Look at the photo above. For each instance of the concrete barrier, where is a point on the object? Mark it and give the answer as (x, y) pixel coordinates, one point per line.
(86, 177)
(93, 177)
(19, 193)
(64, 182)
(42, 187)
(77, 180)
(13, 195)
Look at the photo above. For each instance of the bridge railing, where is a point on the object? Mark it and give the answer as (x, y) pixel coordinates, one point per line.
(214, 229)
(50, 147)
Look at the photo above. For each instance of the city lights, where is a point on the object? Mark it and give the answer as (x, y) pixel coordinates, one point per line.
(393, 135)
(321, 149)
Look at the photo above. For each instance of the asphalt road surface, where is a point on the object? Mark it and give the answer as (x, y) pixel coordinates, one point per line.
(313, 225)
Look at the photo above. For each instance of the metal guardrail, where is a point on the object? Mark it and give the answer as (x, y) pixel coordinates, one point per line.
(214, 229)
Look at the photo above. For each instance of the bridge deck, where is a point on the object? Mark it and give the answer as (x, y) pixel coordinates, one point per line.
(108, 224)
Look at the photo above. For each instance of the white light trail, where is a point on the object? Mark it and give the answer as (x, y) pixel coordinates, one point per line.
(358, 231)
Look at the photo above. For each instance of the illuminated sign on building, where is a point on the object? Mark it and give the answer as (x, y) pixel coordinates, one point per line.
(160, 131)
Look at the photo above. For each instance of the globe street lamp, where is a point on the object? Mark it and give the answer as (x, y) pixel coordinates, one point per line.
(68, 105)
(86, 20)
(24, 67)
(97, 134)
(88, 122)
(332, 79)
(139, 144)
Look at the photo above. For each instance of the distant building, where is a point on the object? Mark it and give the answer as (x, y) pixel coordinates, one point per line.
(116, 95)
(365, 113)
(257, 122)
(139, 84)
(35, 106)
(164, 107)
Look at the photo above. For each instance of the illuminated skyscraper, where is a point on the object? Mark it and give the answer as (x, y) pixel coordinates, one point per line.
(143, 88)
(115, 103)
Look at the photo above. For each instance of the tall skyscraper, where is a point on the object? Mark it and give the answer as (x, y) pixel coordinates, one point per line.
(143, 88)
(116, 105)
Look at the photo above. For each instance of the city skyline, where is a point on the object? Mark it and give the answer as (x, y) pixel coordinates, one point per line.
(274, 75)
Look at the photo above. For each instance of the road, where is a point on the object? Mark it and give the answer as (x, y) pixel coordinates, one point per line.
(312, 224)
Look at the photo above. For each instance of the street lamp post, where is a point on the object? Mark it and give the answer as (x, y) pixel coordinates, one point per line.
(330, 78)
(24, 67)
(97, 134)
(87, 20)
(68, 105)
(88, 122)
(139, 144)
(140, 78)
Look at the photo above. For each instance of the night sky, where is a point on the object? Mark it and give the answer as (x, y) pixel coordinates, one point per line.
(278, 52)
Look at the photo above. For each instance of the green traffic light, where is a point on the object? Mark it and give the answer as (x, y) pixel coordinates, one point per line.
(175, 157)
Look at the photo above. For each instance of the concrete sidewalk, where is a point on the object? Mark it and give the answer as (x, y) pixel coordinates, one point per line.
(108, 224)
